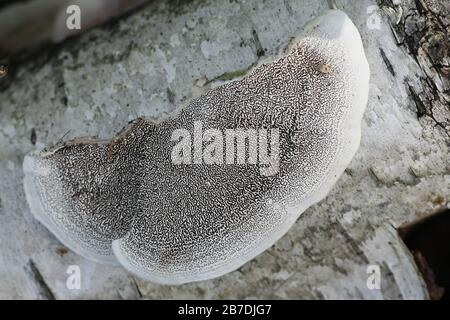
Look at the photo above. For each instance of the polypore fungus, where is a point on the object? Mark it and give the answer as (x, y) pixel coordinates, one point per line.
(175, 221)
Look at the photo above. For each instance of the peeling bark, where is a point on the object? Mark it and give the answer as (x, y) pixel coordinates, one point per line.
(423, 28)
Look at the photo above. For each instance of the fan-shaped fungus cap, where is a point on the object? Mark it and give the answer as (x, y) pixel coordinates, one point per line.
(174, 222)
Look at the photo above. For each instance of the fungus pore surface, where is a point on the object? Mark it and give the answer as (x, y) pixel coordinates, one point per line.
(127, 201)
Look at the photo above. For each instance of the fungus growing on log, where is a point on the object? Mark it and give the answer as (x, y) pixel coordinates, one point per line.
(172, 222)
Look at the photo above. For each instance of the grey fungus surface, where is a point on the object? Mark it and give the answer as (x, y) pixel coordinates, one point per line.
(125, 201)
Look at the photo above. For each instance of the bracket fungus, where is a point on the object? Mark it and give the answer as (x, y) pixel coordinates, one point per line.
(127, 201)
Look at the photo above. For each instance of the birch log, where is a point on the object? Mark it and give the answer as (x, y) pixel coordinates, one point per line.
(165, 54)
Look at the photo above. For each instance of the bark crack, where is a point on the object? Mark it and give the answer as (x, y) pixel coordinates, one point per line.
(44, 290)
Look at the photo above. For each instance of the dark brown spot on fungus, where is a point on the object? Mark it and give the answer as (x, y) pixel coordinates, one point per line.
(61, 251)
